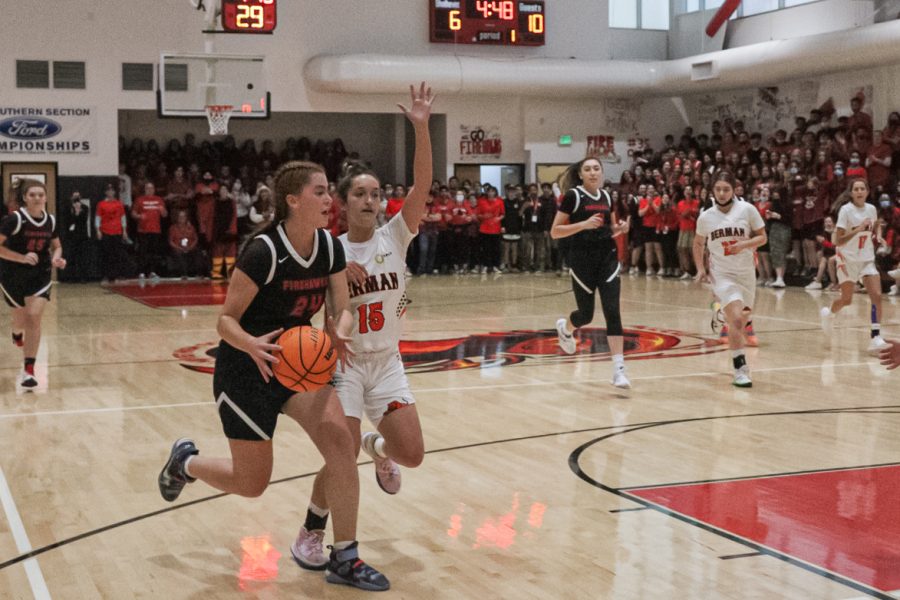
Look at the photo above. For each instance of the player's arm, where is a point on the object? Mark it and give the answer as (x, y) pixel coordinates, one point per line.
(419, 114)
(756, 240)
(241, 292)
(338, 303)
(56, 251)
(842, 236)
(562, 228)
(699, 250)
(12, 256)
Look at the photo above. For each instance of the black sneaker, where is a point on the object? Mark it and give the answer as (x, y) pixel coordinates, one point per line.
(345, 566)
(172, 478)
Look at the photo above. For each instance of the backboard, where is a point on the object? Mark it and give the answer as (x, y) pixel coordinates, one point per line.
(190, 82)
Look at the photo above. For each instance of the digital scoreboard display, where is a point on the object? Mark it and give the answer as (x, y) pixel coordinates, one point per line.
(488, 22)
(248, 16)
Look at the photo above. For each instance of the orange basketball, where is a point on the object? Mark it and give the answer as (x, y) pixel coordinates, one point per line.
(307, 359)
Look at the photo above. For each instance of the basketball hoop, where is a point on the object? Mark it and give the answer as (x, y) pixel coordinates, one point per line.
(218, 115)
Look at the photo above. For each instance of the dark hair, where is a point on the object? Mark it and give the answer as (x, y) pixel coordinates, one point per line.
(22, 187)
(571, 177)
(290, 178)
(352, 172)
(726, 176)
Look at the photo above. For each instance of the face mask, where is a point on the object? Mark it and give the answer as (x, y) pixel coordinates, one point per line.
(854, 161)
(885, 204)
(839, 172)
(460, 197)
(793, 170)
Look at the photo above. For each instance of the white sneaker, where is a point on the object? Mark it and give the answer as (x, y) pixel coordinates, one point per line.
(778, 283)
(894, 291)
(685, 276)
(877, 345)
(815, 285)
(620, 380)
(387, 473)
(895, 274)
(307, 549)
(649, 273)
(26, 380)
(566, 340)
(742, 377)
(827, 319)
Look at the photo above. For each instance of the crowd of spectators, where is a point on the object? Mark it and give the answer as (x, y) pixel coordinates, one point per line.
(187, 207)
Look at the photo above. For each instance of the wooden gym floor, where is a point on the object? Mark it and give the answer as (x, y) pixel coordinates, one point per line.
(541, 479)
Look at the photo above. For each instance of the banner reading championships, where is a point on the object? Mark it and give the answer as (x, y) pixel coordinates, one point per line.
(50, 130)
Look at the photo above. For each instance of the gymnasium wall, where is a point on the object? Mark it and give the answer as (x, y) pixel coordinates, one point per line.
(106, 33)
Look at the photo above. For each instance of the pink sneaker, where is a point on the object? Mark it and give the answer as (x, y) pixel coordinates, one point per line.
(387, 473)
(307, 549)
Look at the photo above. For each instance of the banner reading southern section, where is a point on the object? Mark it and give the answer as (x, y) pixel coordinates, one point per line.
(48, 130)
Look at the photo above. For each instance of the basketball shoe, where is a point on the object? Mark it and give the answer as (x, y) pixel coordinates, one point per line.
(307, 549)
(877, 345)
(27, 380)
(620, 380)
(387, 473)
(345, 567)
(742, 377)
(173, 478)
(566, 340)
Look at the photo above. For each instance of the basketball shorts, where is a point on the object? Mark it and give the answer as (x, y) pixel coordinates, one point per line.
(248, 406)
(729, 288)
(376, 384)
(852, 270)
(18, 284)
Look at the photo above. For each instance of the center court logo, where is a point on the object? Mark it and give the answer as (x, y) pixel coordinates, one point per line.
(510, 348)
(20, 128)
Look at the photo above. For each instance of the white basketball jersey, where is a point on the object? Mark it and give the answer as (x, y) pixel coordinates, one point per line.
(378, 306)
(859, 248)
(722, 230)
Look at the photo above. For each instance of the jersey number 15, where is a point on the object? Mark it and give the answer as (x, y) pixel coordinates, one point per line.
(371, 317)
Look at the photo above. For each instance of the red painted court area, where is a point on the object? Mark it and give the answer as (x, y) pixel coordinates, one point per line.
(177, 293)
(847, 522)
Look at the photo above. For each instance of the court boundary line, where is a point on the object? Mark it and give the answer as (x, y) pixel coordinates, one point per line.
(32, 569)
(575, 467)
(539, 383)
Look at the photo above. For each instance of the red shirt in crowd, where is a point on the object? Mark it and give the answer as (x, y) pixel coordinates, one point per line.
(393, 207)
(490, 215)
(110, 212)
(668, 220)
(460, 214)
(651, 217)
(206, 207)
(443, 209)
(182, 238)
(149, 211)
(878, 173)
(687, 214)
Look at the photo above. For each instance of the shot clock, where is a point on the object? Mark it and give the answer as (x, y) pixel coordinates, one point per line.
(488, 22)
(248, 16)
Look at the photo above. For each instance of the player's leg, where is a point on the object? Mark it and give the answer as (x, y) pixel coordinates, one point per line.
(583, 287)
(610, 289)
(872, 284)
(307, 549)
(34, 312)
(736, 314)
(321, 415)
(18, 326)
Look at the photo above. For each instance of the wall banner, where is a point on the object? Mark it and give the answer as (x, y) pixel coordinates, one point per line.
(480, 142)
(46, 131)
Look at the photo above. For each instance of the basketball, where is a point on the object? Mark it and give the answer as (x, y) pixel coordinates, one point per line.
(307, 359)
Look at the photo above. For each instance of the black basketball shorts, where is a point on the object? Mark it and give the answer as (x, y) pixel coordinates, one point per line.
(21, 283)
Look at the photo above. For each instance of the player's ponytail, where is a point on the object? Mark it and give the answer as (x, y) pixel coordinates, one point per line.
(290, 178)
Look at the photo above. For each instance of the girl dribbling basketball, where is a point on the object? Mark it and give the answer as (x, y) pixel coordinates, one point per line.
(282, 278)
(731, 230)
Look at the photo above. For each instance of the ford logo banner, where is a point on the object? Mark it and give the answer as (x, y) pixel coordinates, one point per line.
(23, 128)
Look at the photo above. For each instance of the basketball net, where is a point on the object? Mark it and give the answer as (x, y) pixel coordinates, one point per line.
(218, 116)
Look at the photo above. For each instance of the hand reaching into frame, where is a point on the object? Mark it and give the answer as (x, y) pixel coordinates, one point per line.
(420, 110)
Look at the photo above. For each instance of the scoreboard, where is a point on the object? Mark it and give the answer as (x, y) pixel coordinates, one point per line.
(488, 22)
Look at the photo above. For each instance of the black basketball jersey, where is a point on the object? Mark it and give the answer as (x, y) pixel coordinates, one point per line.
(291, 288)
(581, 206)
(24, 234)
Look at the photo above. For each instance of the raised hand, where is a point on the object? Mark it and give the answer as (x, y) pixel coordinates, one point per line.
(420, 109)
